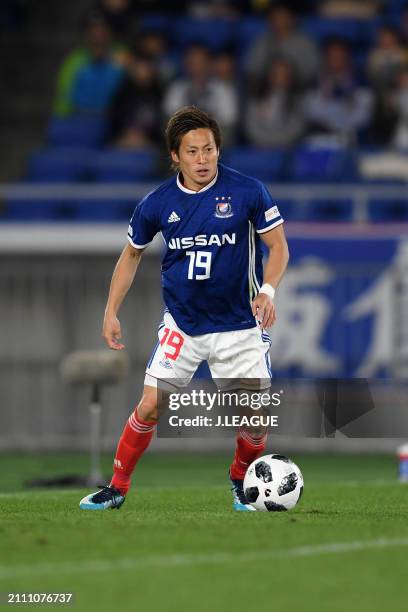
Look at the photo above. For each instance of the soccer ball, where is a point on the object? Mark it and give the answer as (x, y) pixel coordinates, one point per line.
(273, 483)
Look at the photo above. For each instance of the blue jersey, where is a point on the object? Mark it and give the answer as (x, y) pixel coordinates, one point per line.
(212, 265)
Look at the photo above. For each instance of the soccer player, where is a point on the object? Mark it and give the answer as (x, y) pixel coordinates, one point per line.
(218, 298)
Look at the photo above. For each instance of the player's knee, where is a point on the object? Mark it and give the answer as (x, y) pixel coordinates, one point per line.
(147, 408)
(256, 433)
(254, 429)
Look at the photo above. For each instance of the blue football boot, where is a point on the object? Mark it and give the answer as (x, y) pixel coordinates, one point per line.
(240, 502)
(107, 498)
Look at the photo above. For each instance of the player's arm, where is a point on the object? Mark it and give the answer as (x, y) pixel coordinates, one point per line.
(122, 279)
(262, 306)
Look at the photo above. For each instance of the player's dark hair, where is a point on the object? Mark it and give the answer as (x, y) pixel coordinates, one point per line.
(186, 119)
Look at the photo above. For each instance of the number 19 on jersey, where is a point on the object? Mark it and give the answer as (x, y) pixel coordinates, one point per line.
(199, 260)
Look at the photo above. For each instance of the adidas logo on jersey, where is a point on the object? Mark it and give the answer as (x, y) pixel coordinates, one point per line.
(173, 218)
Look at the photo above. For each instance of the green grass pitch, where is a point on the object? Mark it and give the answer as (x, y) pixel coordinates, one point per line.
(176, 545)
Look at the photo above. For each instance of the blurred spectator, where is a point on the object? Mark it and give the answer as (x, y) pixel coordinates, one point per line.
(153, 44)
(134, 116)
(274, 118)
(400, 139)
(89, 75)
(200, 88)
(385, 118)
(214, 9)
(337, 109)
(386, 58)
(357, 9)
(224, 67)
(120, 15)
(283, 39)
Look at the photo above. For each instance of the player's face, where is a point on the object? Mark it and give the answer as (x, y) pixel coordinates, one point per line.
(197, 158)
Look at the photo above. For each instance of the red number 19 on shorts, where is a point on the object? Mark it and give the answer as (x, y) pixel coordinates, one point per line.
(174, 340)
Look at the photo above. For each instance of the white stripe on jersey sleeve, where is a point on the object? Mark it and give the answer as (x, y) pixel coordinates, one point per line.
(138, 246)
(252, 279)
(250, 282)
(255, 280)
(271, 226)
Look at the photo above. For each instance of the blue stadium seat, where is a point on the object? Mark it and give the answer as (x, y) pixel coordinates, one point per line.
(359, 60)
(290, 209)
(248, 30)
(68, 209)
(322, 165)
(216, 34)
(388, 210)
(263, 164)
(158, 22)
(81, 131)
(395, 7)
(359, 33)
(340, 209)
(34, 209)
(321, 28)
(58, 165)
(104, 210)
(114, 166)
(368, 32)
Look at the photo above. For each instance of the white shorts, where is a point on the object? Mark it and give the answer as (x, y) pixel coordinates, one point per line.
(242, 354)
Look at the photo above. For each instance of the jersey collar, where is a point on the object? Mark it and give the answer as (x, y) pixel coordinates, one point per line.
(180, 186)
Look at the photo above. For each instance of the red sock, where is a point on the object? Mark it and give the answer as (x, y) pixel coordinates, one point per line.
(134, 440)
(248, 448)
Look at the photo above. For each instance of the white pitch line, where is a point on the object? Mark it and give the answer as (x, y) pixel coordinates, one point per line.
(79, 567)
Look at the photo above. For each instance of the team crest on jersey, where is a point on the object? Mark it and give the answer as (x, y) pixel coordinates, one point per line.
(223, 207)
(165, 363)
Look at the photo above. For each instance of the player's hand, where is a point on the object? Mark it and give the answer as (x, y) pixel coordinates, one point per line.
(263, 310)
(111, 332)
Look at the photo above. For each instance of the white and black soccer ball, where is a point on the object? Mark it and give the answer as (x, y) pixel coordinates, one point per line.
(273, 483)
